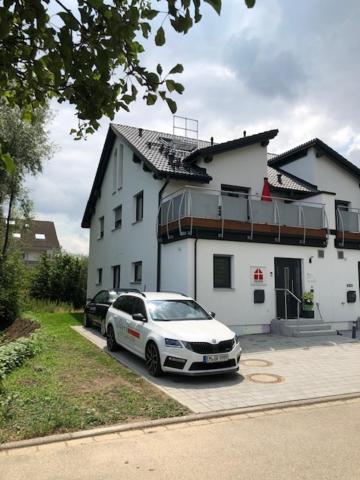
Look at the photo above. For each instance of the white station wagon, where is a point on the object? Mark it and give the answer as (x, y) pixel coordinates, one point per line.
(172, 333)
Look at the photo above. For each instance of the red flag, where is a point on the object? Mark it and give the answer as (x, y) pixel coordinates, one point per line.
(266, 195)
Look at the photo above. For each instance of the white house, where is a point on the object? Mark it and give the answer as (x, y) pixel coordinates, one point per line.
(169, 213)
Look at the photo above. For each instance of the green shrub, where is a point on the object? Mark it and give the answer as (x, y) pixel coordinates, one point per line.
(13, 354)
(61, 278)
(10, 288)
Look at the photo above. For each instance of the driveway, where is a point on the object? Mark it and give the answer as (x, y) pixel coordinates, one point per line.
(273, 369)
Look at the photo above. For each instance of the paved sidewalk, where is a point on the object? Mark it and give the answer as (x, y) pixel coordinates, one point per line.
(302, 443)
(301, 368)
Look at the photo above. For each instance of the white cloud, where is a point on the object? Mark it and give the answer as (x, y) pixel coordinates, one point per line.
(286, 65)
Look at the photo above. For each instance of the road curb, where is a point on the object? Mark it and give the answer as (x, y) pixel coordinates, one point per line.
(63, 437)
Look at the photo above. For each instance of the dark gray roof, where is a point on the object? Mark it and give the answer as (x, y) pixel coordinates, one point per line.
(153, 148)
(321, 148)
(288, 182)
(262, 137)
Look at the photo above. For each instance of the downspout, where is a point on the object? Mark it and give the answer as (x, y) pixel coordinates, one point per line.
(195, 267)
(158, 271)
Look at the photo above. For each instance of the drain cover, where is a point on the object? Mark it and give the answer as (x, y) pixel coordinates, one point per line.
(255, 362)
(264, 378)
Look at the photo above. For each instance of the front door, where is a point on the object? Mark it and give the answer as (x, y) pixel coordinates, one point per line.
(287, 276)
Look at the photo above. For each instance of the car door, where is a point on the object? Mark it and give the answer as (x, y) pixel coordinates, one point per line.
(102, 305)
(137, 330)
(123, 306)
(91, 307)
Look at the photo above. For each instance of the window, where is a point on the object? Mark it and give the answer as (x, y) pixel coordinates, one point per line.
(16, 235)
(139, 307)
(234, 190)
(120, 166)
(137, 272)
(340, 254)
(101, 225)
(115, 170)
(101, 297)
(176, 310)
(139, 206)
(321, 254)
(99, 276)
(40, 236)
(116, 276)
(222, 271)
(118, 217)
(125, 304)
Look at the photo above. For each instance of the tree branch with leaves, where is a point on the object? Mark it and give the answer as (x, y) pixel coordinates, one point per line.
(89, 56)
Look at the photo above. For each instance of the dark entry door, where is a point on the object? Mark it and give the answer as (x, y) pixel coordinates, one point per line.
(287, 275)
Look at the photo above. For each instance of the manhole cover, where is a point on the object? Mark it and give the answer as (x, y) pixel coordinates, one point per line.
(255, 362)
(264, 378)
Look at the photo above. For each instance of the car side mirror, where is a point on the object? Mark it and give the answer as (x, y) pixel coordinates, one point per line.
(139, 317)
(212, 314)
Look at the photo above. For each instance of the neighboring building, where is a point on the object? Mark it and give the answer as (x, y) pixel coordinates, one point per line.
(170, 213)
(33, 238)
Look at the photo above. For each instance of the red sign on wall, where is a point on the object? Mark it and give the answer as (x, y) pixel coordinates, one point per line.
(258, 275)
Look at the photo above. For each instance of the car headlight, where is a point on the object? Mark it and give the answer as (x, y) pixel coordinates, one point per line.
(170, 342)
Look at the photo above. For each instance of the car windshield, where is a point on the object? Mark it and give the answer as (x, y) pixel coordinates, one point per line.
(176, 310)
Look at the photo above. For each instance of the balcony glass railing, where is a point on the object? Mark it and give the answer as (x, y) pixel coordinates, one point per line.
(202, 203)
(347, 221)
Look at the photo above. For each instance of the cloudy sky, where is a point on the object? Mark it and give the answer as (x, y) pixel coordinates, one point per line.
(284, 64)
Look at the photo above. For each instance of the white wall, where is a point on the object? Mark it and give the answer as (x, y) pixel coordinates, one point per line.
(134, 241)
(329, 277)
(244, 167)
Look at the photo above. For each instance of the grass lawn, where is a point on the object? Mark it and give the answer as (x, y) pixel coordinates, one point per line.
(71, 385)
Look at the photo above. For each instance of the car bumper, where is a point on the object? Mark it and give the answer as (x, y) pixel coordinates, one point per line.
(186, 362)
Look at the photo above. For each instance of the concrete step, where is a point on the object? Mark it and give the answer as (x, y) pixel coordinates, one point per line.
(302, 321)
(313, 326)
(314, 333)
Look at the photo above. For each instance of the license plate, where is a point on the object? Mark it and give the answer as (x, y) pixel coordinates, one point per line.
(215, 358)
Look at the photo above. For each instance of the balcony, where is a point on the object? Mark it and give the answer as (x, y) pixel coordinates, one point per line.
(348, 227)
(207, 213)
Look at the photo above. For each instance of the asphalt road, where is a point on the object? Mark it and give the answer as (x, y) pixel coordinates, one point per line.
(318, 442)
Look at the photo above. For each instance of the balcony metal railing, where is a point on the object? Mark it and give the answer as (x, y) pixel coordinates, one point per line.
(347, 220)
(205, 203)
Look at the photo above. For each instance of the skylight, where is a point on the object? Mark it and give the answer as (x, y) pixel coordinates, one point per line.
(40, 236)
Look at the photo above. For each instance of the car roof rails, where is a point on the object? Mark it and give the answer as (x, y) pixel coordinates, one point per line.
(177, 293)
(131, 290)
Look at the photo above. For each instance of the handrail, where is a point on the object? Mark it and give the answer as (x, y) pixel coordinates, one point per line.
(226, 192)
(287, 291)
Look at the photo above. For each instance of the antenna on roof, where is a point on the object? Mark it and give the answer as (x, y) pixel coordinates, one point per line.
(244, 133)
(188, 127)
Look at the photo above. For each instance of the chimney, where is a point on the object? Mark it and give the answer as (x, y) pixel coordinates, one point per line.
(212, 141)
(140, 132)
(244, 133)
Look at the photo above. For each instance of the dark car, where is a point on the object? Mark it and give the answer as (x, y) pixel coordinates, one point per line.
(97, 307)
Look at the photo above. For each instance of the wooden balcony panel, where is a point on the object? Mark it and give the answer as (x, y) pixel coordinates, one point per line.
(350, 236)
(234, 226)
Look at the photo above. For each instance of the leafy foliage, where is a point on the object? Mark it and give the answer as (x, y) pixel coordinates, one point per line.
(11, 270)
(90, 56)
(13, 354)
(61, 278)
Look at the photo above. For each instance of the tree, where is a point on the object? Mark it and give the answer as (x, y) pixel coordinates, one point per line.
(28, 145)
(89, 56)
(61, 278)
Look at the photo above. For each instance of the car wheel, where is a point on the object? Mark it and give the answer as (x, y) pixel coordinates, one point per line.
(103, 327)
(110, 340)
(87, 321)
(152, 357)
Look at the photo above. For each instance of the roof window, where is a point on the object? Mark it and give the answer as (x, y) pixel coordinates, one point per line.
(16, 235)
(40, 236)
